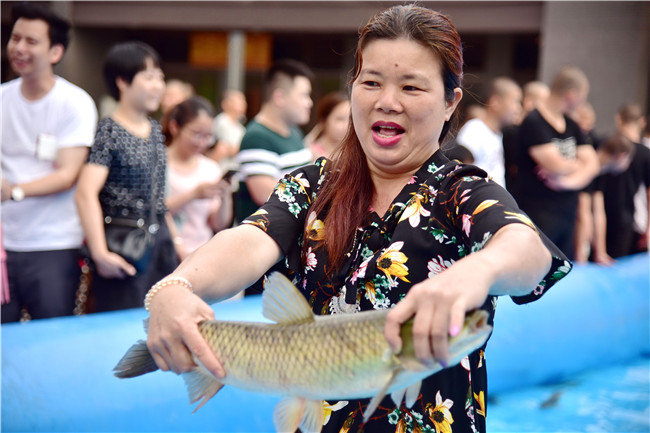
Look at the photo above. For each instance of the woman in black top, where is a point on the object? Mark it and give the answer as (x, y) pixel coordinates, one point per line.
(124, 178)
(388, 222)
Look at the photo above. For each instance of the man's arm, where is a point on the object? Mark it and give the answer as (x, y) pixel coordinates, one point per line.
(643, 240)
(600, 231)
(584, 231)
(548, 158)
(68, 164)
(585, 168)
(260, 187)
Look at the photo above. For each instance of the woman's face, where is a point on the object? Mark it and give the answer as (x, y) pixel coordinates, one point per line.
(336, 124)
(146, 89)
(398, 105)
(196, 136)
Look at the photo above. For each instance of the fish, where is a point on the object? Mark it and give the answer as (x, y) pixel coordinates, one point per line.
(310, 359)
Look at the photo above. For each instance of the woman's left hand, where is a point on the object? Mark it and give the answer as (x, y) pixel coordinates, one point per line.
(224, 188)
(438, 306)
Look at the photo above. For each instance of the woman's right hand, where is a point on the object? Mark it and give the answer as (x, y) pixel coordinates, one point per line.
(206, 190)
(111, 265)
(174, 338)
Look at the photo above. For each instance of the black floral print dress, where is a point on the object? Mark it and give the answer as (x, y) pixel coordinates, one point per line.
(446, 211)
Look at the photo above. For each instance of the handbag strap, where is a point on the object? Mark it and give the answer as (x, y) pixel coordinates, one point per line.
(154, 187)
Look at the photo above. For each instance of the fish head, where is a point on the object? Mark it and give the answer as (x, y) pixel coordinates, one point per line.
(473, 335)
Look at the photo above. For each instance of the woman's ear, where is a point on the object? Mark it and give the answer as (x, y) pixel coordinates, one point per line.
(121, 84)
(174, 129)
(451, 105)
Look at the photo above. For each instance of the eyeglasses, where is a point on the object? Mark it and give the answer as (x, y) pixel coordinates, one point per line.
(200, 136)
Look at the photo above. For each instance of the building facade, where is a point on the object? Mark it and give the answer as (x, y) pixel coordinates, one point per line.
(220, 44)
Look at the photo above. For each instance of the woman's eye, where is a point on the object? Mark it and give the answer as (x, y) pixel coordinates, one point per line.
(370, 83)
(411, 88)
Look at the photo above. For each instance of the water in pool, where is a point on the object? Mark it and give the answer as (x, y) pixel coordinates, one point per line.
(613, 400)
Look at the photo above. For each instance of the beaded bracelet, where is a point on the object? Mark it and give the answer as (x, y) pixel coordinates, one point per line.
(181, 281)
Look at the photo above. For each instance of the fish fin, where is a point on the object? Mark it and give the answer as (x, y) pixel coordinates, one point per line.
(374, 403)
(201, 386)
(412, 393)
(288, 414)
(135, 362)
(398, 396)
(312, 419)
(283, 303)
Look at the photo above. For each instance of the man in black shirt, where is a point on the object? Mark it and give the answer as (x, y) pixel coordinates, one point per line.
(555, 162)
(619, 189)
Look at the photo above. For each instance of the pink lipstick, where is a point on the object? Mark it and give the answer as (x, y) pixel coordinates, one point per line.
(387, 134)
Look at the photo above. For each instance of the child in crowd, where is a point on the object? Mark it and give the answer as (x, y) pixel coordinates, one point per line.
(614, 156)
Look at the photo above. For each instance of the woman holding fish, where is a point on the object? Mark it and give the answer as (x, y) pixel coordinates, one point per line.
(388, 222)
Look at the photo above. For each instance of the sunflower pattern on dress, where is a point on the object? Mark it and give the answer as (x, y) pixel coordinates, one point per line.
(445, 212)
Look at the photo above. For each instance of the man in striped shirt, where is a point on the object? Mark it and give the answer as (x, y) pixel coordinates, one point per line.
(273, 143)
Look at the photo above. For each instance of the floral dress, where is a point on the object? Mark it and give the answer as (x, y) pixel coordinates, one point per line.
(446, 211)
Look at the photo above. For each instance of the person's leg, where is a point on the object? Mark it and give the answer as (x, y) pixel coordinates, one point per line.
(11, 310)
(559, 229)
(44, 282)
(115, 293)
(57, 276)
(620, 240)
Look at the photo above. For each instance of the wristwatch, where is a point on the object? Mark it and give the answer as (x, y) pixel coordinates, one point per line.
(17, 193)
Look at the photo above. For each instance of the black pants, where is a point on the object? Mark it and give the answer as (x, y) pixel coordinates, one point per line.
(560, 229)
(118, 294)
(43, 282)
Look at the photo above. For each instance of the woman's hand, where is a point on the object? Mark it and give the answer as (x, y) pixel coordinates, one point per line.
(174, 338)
(512, 262)
(206, 190)
(438, 306)
(111, 265)
(224, 188)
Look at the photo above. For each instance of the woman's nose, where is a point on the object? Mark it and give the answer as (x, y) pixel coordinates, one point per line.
(388, 100)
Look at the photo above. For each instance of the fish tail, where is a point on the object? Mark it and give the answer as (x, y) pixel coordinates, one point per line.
(135, 362)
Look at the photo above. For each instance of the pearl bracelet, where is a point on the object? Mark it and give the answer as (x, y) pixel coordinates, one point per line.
(181, 281)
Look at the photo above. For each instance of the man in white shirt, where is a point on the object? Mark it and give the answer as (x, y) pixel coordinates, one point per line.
(47, 126)
(228, 128)
(483, 136)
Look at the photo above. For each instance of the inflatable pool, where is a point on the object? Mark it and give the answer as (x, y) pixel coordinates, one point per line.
(56, 373)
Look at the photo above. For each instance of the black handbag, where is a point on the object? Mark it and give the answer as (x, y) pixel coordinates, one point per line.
(134, 239)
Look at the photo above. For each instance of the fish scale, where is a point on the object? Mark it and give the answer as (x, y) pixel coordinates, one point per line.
(302, 357)
(307, 359)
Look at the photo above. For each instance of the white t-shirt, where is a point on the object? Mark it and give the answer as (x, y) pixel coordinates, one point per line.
(486, 147)
(32, 133)
(192, 220)
(229, 133)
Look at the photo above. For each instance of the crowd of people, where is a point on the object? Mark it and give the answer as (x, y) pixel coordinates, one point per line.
(587, 192)
(366, 211)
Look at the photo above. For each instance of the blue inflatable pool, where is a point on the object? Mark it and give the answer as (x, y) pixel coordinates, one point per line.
(56, 374)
